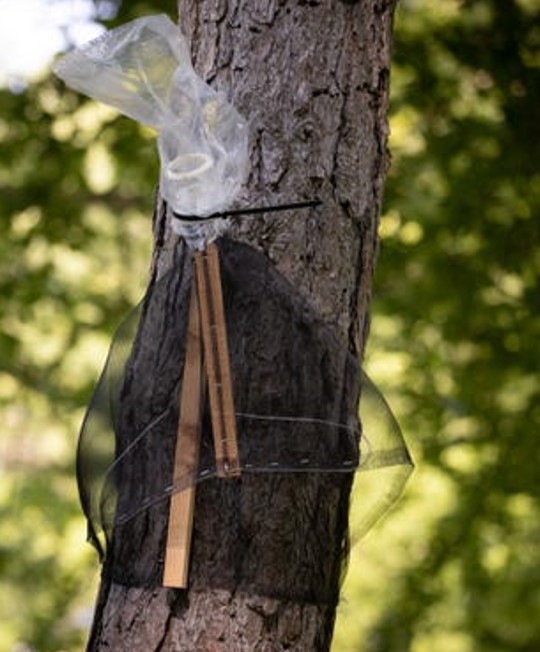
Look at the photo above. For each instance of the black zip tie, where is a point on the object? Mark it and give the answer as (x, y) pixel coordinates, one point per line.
(249, 211)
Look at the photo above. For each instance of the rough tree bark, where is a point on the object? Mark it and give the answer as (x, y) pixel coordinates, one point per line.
(312, 77)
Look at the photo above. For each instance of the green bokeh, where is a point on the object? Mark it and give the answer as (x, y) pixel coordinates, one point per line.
(455, 338)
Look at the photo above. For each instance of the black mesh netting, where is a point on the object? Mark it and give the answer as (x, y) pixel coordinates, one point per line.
(297, 394)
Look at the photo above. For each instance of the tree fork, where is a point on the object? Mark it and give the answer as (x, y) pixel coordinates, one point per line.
(267, 551)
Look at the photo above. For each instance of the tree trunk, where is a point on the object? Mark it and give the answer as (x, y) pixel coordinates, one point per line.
(267, 554)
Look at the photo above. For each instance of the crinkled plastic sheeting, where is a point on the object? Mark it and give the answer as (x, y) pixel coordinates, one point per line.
(143, 69)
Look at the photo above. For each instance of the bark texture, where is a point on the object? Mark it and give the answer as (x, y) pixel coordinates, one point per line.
(313, 79)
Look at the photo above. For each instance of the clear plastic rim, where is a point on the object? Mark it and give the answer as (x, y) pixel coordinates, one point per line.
(188, 166)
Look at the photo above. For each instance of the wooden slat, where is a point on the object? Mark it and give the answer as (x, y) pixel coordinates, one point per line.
(224, 365)
(217, 363)
(186, 462)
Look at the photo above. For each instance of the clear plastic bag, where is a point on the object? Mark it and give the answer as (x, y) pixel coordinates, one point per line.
(143, 69)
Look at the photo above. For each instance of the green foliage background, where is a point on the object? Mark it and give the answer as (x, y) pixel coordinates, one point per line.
(456, 566)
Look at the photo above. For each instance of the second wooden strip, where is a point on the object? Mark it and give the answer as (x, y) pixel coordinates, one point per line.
(186, 462)
(217, 362)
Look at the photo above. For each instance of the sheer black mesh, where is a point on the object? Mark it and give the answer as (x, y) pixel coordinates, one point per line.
(120, 442)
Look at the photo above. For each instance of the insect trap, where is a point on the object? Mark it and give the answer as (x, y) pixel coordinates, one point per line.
(235, 414)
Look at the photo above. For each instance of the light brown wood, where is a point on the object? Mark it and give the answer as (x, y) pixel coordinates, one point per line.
(182, 505)
(206, 318)
(217, 363)
(230, 442)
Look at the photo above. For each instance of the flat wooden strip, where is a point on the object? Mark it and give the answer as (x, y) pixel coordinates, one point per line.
(224, 364)
(186, 461)
(210, 355)
(217, 362)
